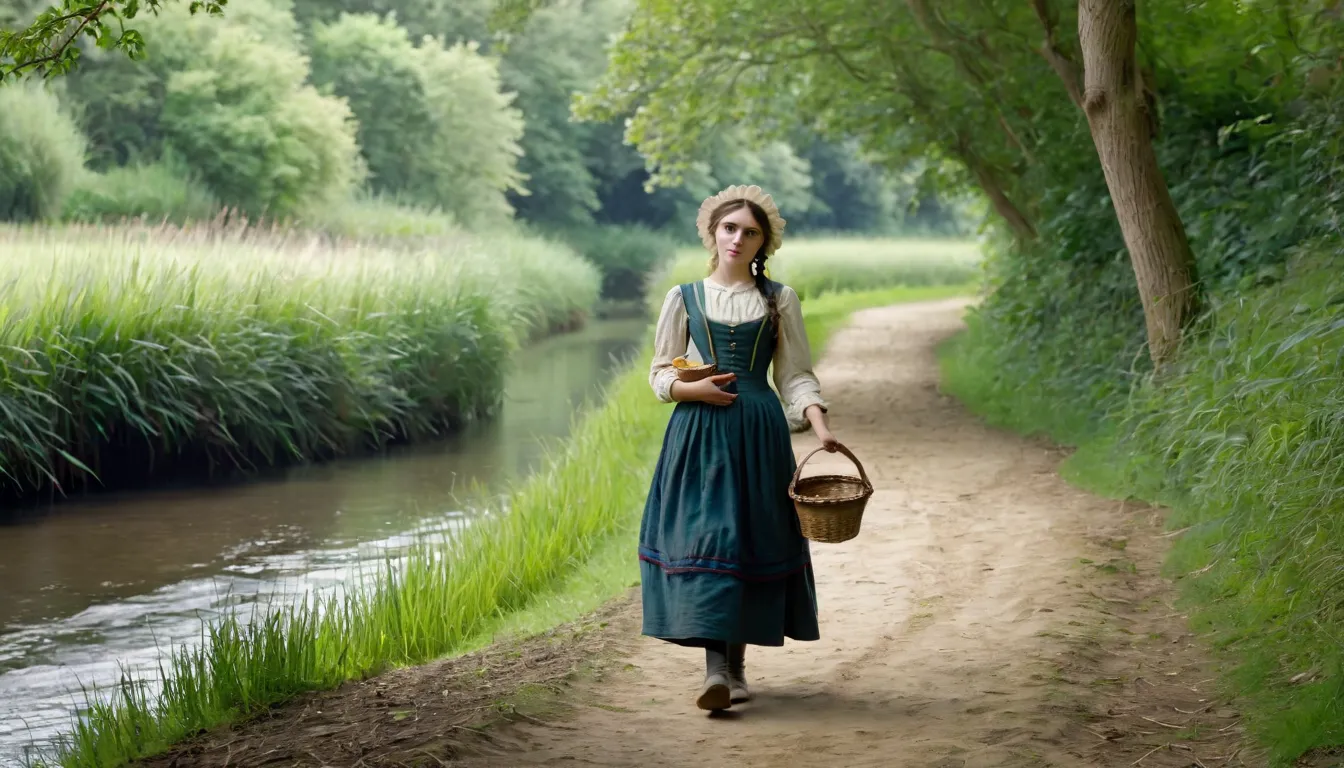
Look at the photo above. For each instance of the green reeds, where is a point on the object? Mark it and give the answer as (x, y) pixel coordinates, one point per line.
(134, 352)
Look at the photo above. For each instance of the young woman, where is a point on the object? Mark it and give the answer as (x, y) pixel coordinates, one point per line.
(722, 560)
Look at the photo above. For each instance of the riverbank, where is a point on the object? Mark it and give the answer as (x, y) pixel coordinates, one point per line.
(1243, 442)
(965, 626)
(107, 585)
(133, 354)
(447, 594)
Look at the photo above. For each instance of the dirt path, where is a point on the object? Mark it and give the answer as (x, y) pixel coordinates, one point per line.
(945, 624)
(988, 615)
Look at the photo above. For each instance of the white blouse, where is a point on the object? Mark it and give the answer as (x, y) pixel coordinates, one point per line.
(794, 378)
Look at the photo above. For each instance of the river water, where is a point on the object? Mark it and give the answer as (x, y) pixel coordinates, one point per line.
(96, 586)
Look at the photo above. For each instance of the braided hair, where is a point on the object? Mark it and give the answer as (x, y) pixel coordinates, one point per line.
(757, 262)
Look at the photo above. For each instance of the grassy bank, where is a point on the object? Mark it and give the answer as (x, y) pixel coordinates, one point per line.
(1245, 443)
(548, 552)
(133, 353)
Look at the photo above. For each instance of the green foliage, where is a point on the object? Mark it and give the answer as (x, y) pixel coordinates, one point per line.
(434, 126)
(134, 353)
(162, 191)
(686, 73)
(454, 21)
(377, 218)
(372, 64)
(1246, 441)
(817, 267)
(41, 153)
(561, 50)
(49, 44)
(229, 98)
(1242, 437)
(475, 145)
(259, 137)
(626, 256)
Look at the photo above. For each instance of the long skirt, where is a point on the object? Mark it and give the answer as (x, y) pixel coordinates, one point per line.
(722, 558)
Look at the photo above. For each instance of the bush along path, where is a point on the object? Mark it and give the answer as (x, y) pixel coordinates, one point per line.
(989, 614)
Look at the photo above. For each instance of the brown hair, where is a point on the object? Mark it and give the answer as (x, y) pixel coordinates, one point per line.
(757, 261)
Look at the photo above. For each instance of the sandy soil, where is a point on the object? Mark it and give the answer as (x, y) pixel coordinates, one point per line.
(988, 615)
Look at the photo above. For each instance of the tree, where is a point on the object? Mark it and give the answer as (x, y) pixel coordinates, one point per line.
(50, 44)
(844, 69)
(477, 128)
(372, 64)
(1115, 101)
(958, 80)
(230, 99)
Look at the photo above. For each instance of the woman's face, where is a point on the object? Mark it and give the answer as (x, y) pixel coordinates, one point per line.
(739, 237)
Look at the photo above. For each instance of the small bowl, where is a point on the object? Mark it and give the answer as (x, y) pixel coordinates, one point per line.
(695, 372)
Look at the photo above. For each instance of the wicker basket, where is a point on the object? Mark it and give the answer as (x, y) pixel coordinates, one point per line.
(830, 507)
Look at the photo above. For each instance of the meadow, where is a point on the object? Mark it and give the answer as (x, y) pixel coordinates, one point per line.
(512, 568)
(133, 353)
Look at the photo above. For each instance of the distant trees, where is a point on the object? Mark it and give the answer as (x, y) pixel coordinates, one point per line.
(279, 108)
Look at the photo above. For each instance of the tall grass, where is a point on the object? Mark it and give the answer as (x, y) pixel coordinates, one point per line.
(134, 352)
(815, 267)
(436, 600)
(1245, 442)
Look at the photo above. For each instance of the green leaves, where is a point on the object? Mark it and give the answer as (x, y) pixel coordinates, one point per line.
(50, 45)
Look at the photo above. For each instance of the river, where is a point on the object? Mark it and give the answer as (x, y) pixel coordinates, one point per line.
(96, 585)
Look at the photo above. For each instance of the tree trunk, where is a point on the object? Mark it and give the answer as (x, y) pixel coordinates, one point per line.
(1117, 114)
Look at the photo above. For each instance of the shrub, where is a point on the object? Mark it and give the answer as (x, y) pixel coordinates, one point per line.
(41, 153)
(157, 192)
(626, 255)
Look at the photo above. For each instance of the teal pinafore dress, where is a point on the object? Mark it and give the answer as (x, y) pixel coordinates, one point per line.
(722, 558)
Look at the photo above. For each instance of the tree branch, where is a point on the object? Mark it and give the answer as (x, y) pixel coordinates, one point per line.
(45, 45)
(823, 41)
(1055, 56)
(20, 63)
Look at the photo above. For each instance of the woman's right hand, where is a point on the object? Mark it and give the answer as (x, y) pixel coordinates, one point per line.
(707, 390)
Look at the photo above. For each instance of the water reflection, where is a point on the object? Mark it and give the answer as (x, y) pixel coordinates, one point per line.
(98, 584)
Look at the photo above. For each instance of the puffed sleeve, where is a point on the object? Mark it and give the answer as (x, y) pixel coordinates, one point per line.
(795, 381)
(669, 341)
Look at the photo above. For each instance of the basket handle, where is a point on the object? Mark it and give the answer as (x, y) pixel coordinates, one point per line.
(797, 473)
